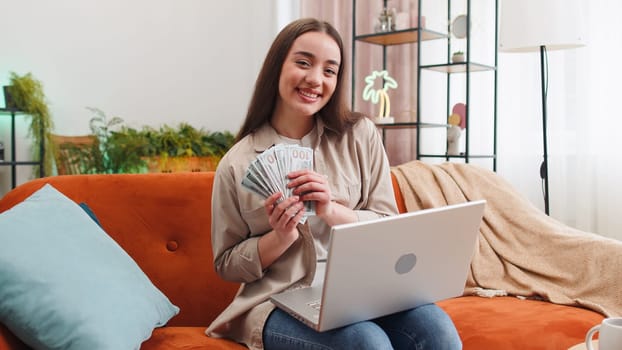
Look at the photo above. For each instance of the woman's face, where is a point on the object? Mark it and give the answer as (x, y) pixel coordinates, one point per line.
(308, 76)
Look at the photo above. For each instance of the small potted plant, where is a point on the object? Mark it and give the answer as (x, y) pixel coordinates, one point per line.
(457, 57)
(25, 93)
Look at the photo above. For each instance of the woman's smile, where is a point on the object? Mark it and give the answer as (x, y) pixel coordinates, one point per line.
(311, 95)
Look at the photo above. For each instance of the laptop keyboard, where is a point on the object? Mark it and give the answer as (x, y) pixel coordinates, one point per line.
(315, 304)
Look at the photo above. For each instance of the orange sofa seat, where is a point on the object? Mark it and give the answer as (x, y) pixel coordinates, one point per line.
(163, 221)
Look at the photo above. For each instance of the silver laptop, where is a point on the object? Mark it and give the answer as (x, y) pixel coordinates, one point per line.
(379, 267)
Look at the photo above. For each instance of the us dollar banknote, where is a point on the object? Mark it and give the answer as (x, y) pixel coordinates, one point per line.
(267, 174)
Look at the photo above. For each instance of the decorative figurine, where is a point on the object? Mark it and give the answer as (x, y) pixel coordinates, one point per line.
(386, 21)
(457, 122)
(380, 95)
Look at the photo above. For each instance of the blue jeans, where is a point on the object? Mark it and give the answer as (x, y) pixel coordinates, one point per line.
(424, 327)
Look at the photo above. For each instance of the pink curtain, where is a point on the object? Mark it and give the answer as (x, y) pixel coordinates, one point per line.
(401, 64)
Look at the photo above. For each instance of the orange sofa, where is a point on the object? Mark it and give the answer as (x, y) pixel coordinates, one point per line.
(163, 222)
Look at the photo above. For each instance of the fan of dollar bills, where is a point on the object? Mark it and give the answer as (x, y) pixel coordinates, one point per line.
(267, 174)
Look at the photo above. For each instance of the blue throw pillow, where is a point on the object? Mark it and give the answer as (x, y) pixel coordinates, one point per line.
(65, 284)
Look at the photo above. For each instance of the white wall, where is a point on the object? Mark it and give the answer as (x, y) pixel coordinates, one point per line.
(582, 118)
(147, 61)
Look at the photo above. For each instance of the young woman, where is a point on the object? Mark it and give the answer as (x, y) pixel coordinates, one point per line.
(299, 99)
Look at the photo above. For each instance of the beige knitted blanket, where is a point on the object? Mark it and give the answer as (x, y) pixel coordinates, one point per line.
(521, 250)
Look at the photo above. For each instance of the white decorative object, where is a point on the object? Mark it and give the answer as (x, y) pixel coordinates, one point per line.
(453, 139)
(459, 26)
(457, 122)
(457, 57)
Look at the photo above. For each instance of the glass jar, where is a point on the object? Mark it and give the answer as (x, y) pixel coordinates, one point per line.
(386, 21)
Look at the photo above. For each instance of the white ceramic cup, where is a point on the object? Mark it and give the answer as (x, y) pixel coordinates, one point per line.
(610, 334)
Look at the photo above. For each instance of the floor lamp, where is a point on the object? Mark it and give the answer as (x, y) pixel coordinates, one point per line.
(540, 25)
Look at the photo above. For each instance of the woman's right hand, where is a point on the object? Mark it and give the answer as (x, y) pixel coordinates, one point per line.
(284, 215)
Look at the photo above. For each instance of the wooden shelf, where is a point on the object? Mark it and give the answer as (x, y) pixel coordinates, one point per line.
(410, 125)
(460, 67)
(399, 37)
(458, 156)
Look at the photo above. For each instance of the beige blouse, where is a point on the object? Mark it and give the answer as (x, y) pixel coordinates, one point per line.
(359, 175)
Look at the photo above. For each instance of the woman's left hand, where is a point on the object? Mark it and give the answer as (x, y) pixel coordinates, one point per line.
(311, 186)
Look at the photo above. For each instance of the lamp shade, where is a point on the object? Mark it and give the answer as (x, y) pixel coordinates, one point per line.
(525, 25)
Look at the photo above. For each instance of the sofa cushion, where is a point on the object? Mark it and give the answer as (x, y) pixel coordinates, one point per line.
(511, 323)
(64, 283)
(167, 338)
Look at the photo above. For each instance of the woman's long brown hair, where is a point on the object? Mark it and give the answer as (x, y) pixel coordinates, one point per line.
(335, 114)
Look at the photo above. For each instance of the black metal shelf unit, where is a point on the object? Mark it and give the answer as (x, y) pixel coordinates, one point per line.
(417, 36)
(13, 163)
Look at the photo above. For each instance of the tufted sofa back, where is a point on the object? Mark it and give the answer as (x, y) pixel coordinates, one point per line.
(162, 221)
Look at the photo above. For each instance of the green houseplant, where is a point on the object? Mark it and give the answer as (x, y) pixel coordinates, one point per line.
(28, 96)
(165, 149)
(119, 147)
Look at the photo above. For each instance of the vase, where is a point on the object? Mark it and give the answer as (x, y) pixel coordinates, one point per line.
(457, 58)
(8, 98)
